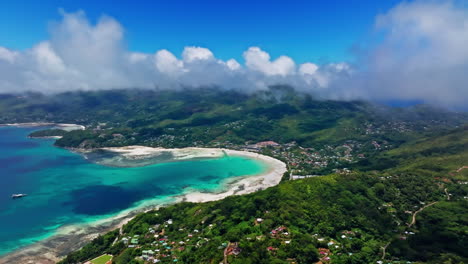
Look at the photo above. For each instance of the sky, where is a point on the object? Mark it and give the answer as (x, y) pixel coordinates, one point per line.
(343, 50)
(319, 30)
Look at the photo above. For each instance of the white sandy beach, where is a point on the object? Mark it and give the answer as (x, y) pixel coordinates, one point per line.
(66, 127)
(247, 184)
(71, 237)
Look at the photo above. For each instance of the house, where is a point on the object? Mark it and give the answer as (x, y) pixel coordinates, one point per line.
(117, 135)
(272, 249)
(251, 148)
(266, 144)
(298, 177)
(233, 249)
(144, 254)
(279, 231)
(236, 251)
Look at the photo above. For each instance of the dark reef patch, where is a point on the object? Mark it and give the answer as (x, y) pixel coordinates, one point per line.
(102, 199)
(19, 145)
(11, 161)
(208, 178)
(105, 199)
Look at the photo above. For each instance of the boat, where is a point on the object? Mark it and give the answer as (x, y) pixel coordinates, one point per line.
(18, 195)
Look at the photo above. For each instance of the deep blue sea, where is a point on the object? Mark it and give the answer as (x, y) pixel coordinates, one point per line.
(65, 189)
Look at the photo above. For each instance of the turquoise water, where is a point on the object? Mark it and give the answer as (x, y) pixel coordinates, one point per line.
(64, 188)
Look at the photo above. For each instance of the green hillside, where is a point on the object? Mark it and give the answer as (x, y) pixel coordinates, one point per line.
(205, 116)
(435, 155)
(348, 218)
(392, 185)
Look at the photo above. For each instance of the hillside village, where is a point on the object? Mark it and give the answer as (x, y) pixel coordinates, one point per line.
(170, 241)
(167, 241)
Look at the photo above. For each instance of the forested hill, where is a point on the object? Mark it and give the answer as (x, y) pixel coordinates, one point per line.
(392, 183)
(280, 114)
(416, 210)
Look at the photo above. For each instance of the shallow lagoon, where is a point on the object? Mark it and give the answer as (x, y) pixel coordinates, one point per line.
(64, 188)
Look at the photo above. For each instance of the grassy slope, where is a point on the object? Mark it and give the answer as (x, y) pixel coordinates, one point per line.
(101, 260)
(436, 155)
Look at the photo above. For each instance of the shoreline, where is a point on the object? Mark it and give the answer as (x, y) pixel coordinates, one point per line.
(64, 126)
(72, 237)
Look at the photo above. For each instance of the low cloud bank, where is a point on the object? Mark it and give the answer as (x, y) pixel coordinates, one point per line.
(422, 55)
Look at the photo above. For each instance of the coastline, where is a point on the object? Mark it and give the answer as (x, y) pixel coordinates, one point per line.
(247, 184)
(66, 127)
(73, 237)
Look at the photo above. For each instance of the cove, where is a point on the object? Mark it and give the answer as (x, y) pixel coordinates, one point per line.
(65, 189)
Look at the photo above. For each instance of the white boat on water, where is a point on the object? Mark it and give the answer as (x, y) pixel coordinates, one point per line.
(18, 195)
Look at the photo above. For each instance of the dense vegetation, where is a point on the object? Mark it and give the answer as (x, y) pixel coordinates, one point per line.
(210, 116)
(359, 212)
(100, 244)
(48, 133)
(402, 196)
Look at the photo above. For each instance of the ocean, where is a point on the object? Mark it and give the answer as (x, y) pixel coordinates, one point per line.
(66, 189)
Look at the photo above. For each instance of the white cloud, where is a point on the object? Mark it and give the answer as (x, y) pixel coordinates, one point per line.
(233, 64)
(135, 57)
(192, 54)
(167, 63)
(258, 60)
(308, 68)
(80, 55)
(8, 55)
(421, 55)
(47, 59)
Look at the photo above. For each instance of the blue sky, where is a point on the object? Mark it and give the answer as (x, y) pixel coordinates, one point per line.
(320, 30)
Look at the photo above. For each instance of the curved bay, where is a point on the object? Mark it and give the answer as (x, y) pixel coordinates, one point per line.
(64, 188)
